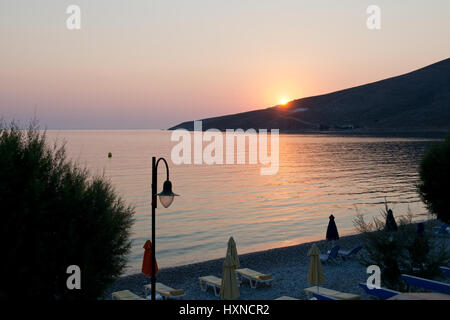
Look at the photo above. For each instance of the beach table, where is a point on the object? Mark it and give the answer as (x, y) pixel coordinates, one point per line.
(420, 296)
(332, 293)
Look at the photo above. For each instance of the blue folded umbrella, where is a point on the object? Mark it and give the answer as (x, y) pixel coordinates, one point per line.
(332, 232)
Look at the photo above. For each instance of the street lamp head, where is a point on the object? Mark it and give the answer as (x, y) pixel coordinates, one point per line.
(166, 196)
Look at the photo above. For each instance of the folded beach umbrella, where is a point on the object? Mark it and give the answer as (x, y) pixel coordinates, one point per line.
(332, 231)
(391, 225)
(229, 289)
(315, 272)
(147, 261)
(231, 249)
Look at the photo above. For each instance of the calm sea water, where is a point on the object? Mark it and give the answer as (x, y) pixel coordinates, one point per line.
(318, 175)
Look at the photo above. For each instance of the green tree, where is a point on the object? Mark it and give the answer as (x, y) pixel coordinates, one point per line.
(434, 188)
(55, 215)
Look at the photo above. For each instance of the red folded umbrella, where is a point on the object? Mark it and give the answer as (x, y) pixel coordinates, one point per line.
(147, 262)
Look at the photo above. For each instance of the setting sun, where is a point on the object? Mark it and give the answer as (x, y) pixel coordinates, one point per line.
(284, 101)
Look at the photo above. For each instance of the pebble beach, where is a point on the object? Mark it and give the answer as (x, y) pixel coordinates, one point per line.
(288, 265)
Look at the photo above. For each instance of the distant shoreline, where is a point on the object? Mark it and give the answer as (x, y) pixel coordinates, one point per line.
(438, 133)
(372, 132)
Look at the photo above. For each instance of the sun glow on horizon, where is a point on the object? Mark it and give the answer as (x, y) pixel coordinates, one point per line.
(284, 101)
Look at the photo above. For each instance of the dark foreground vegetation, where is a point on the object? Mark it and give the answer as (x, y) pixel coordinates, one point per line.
(434, 188)
(55, 215)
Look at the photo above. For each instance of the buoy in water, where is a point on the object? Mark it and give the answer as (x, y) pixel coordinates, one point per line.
(109, 155)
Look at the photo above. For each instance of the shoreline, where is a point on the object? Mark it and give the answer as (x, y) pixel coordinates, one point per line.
(435, 132)
(254, 249)
(288, 265)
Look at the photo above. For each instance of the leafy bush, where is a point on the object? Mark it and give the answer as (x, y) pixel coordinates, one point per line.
(403, 251)
(55, 215)
(435, 180)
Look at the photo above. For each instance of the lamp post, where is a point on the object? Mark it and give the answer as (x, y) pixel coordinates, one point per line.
(166, 197)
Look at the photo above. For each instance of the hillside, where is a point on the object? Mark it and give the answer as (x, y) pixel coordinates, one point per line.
(419, 100)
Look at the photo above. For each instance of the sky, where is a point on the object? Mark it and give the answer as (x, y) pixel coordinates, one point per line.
(148, 64)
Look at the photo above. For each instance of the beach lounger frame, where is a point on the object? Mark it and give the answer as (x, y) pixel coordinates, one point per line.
(163, 293)
(431, 285)
(210, 281)
(442, 231)
(334, 253)
(349, 253)
(252, 279)
(320, 296)
(382, 293)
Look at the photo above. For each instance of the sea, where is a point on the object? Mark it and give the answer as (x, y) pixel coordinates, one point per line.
(318, 175)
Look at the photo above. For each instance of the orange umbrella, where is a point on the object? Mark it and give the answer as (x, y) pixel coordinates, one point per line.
(147, 262)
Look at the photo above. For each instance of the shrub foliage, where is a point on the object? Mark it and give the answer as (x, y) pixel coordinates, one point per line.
(55, 215)
(434, 187)
(403, 251)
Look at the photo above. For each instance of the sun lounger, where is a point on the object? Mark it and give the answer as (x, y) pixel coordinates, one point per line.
(126, 295)
(442, 231)
(350, 253)
(319, 296)
(286, 298)
(442, 228)
(211, 281)
(331, 293)
(254, 277)
(421, 296)
(379, 292)
(165, 291)
(445, 270)
(431, 285)
(330, 256)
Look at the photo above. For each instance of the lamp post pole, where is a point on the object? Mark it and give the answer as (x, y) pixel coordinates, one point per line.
(154, 179)
(154, 198)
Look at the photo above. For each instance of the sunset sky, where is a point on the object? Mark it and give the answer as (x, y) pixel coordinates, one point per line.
(154, 63)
